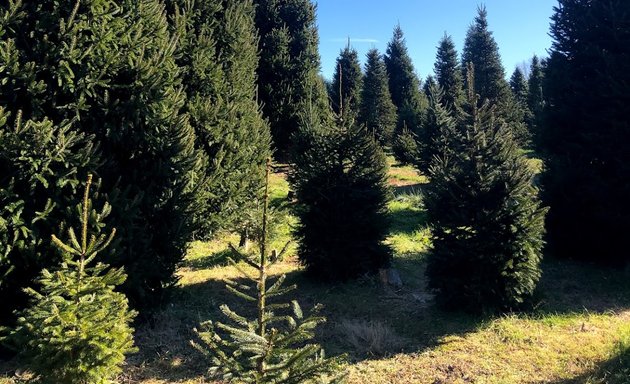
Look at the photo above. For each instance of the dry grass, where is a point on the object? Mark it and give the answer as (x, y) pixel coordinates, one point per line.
(369, 337)
(578, 333)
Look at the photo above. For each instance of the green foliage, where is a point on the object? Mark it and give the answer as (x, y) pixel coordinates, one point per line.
(482, 51)
(77, 329)
(587, 130)
(448, 73)
(339, 178)
(536, 98)
(101, 74)
(288, 73)
(218, 54)
(271, 347)
(519, 87)
(377, 111)
(439, 126)
(347, 84)
(404, 86)
(487, 224)
(405, 147)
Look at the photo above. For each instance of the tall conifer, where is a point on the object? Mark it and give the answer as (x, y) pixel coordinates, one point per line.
(448, 72)
(106, 70)
(377, 112)
(347, 84)
(587, 130)
(407, 95)
(487, 223)
(288, 72)
(218, 56)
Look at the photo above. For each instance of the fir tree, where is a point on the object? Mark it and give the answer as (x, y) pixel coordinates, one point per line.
(106, 71)
(77, 329)
(41, 152)
(218, 56)
(535, 97)
(377, 112)
(439, 125)
(339, 178)
(519, 87)
(347, 84)
(448, 72)
(482, 51)
(429, 83)
(288, 72)
(404, 85)
(587, 130)
(487, 223)
(270, 348)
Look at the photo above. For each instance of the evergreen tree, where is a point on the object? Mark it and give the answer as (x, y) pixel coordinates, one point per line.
(535, 97)
(42, 154)
(77, 329)
(482, 51)
(522, 113)
(218, 56)
(429, 83)
(404, 85)
(487, 223)
(377, 112)
(271, 348)
(448, 72)
(519, 87)
(347, 84)
(105, 72)
(439, 125)
(587, 130)
(288, 72)
(340, 181)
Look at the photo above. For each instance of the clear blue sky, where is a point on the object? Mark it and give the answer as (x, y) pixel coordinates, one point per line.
(520, 27)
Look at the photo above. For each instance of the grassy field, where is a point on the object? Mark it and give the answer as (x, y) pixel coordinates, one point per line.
(579, 331)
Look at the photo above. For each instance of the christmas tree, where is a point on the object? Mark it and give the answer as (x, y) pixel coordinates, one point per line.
(78, 327)
(272, 347)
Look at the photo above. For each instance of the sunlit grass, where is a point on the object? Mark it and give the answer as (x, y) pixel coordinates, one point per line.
(578, 333)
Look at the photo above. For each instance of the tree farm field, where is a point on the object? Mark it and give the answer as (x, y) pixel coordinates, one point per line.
(578, 331)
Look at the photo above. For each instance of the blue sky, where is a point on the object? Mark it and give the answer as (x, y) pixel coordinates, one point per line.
(520, 27)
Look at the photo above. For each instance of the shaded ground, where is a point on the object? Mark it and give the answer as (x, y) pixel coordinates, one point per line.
(579, 331)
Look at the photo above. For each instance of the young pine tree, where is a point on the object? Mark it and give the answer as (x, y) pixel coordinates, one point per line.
(377, 111)
(340, 181)
(271, 348)
(486, 219)
(78, 327)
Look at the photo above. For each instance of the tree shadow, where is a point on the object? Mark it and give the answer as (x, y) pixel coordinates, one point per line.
(568, 286)
(615, 370)
(166, 354)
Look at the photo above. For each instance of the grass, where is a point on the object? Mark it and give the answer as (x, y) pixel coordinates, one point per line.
(578, 333)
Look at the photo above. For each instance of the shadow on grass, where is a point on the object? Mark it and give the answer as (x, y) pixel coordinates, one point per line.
(615, 370)
(575, 287)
